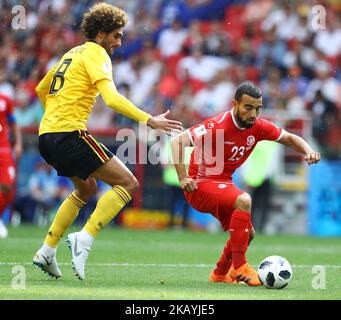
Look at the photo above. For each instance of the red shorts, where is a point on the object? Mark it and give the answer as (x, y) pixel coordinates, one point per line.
(215, 198)
(7, 169)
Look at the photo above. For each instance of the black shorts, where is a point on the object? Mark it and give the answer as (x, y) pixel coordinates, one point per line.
(74, 153)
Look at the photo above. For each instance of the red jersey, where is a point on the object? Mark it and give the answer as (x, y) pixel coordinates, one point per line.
(6, 112)
(221, 146)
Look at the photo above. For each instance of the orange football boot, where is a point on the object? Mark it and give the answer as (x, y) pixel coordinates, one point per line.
(220, 278)
(246, 274)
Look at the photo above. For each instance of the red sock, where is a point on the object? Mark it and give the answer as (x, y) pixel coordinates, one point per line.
(225, 261)
(3, 203)
(239, 233)
(5, 200)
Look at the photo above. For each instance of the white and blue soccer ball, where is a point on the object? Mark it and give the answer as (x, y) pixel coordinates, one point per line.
(275, 272)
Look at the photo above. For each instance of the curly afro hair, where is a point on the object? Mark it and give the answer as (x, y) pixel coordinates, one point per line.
(102, 17)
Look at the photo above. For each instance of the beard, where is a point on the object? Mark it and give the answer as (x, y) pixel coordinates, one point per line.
(243, 123)
(106, 45)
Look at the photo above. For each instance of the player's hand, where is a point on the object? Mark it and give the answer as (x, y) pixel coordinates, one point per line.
(166, 125)
(188, 184)
(312, 157)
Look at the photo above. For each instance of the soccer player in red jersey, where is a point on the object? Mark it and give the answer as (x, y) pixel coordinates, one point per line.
(7, 163)
(221, 145)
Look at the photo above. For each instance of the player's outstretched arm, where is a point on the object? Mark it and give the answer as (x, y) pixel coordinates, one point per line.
(178, 144)
(167, 125)
(300, 145)
(122, 105)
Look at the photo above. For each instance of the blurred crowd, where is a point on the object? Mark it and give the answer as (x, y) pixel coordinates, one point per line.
(189, 56)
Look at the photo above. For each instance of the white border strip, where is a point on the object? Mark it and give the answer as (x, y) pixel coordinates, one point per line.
(281, 135)
(223, 117)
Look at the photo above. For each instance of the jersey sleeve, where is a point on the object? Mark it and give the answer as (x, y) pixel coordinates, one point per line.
(10, 112)
(270, 131)
(7, 104)
(197, 132)
(119, 103)
(9, 109)
(98, 65)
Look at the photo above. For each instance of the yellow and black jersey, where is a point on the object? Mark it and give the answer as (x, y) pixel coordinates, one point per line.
(70, 89)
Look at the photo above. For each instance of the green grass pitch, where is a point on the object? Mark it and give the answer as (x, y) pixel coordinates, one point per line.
(172, 265)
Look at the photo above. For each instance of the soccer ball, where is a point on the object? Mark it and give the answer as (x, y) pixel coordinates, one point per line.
(275, 272)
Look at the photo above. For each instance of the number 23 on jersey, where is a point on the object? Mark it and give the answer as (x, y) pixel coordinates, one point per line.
(237, 153)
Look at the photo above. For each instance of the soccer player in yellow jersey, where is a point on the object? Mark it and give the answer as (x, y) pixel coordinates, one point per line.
(67, 93)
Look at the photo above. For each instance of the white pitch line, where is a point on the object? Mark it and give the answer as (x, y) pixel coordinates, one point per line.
(161, 265)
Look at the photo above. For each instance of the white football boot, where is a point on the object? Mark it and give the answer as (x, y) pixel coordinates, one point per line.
(3, 230)
(79, 254)
(47, 264)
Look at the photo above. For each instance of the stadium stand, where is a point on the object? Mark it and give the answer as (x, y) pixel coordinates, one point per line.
(215, 44)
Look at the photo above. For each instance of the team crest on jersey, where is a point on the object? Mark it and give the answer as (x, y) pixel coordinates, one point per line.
(106, 68)
(222, 185)
(250, 141)
(200, 131)
(210, 125)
